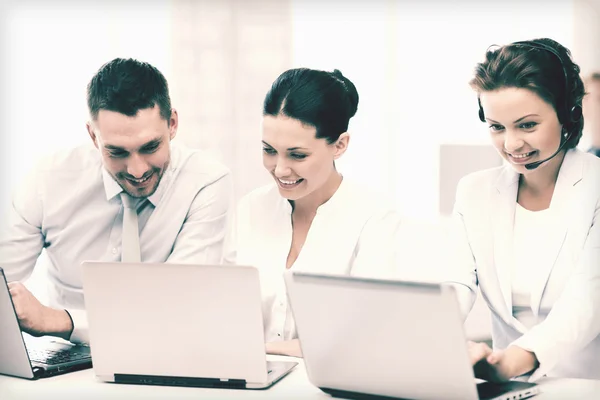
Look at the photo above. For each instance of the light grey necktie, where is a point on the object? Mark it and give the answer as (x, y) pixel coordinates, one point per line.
(130, 242)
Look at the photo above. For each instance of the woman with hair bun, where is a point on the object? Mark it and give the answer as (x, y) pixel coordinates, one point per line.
(311, 218)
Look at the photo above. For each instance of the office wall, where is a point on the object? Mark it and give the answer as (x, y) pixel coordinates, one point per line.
(586, 34)
(456, 161)
(586, 44)
(225, 56)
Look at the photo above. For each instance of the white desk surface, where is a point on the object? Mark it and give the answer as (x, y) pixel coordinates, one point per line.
(84, 385)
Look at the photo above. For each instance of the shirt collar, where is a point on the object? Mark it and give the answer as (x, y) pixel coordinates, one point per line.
(329, 204)
(111, 187)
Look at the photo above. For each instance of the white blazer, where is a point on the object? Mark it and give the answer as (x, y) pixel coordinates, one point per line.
(565, 298)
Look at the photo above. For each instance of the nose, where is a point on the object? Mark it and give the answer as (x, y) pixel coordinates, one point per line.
(282, 169)
(136, 166)
(512, 141)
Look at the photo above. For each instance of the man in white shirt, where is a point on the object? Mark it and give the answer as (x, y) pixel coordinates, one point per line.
(79, 204)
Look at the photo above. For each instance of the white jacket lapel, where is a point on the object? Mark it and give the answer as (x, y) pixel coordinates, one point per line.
(503, 213)
(569, 175)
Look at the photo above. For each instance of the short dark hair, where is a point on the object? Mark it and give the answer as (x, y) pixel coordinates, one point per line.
(530, 66)
(324, 100)
(127, 86)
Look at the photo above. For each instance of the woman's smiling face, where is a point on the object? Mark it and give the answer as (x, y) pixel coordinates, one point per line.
(524, 128)
(299, 162)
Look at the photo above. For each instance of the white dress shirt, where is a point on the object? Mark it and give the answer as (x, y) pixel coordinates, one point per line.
(531, 236)
(353, 233)
(71, 206)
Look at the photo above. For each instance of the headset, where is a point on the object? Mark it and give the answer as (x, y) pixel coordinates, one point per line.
(573, 115)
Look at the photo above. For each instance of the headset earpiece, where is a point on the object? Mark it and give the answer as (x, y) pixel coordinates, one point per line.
(575, 113)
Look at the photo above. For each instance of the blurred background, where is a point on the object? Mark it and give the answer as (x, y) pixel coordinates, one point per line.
(415, 133)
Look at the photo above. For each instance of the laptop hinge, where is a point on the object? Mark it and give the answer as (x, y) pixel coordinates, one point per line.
(180, 381)
(38, 372)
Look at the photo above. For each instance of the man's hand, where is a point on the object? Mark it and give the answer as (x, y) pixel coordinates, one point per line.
(285, 348)
(37, 319)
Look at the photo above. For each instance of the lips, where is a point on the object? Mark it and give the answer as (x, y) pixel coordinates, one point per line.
(521, 158)
(139, 182)
(288, 183)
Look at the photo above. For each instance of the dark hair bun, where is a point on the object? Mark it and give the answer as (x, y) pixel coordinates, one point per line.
(350, 89)
(323, 99)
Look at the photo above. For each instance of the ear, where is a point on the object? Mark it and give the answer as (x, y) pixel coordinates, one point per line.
(92, 134)
(341, 145)
(173, 124)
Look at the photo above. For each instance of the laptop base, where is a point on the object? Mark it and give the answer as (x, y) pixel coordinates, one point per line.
(486, 391)
(40, 371)
(507, 390)
(277, 370)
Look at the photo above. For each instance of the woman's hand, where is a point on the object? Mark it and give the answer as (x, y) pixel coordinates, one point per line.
(500, 365)
(478, 351)
(514, 361)
(284, 348)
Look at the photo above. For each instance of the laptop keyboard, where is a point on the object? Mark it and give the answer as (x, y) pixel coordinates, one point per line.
(53, 357)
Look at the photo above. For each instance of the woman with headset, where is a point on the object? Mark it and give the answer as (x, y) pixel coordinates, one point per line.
(528, 233)
(310, 218)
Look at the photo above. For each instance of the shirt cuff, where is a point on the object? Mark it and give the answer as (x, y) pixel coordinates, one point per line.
(80, 334)
(546, 359)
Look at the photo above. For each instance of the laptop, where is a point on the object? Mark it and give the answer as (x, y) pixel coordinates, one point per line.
(29, 357)
(178, 325)
(366, 338)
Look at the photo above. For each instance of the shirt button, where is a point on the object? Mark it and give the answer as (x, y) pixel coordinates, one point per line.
(114, 250)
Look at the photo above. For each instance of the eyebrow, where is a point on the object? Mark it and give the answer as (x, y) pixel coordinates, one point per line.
(517, 121)
(297, 148)
(151, 143)
(289, 149)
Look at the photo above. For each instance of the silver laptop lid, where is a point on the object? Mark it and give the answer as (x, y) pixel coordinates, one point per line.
(386, 338)
(175, 320)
